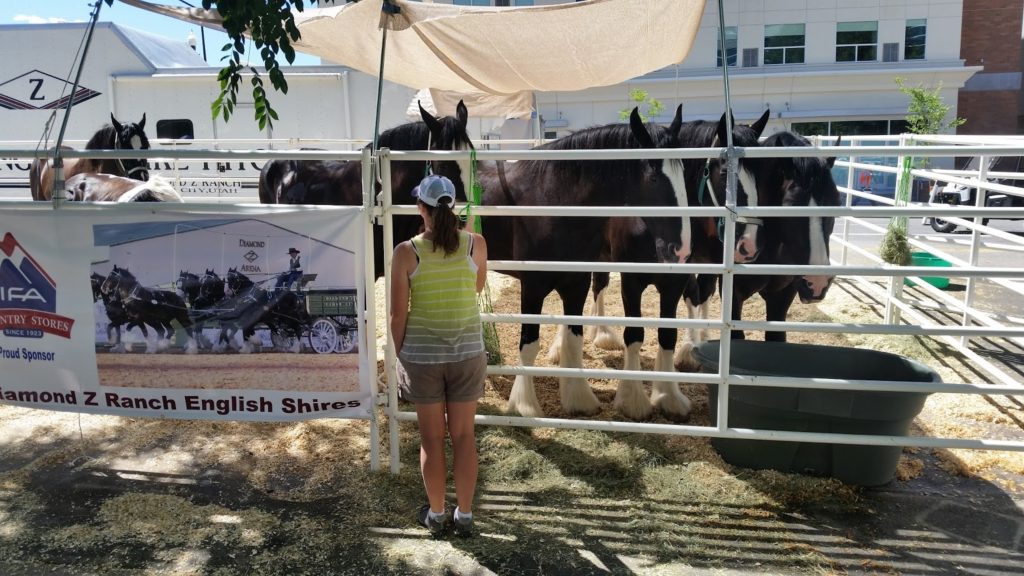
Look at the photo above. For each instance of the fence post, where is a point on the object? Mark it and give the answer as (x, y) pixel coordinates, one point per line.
(849, 202)
(975, 246)
(892, 313)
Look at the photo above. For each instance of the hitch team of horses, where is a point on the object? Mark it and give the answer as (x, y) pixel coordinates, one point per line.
(653, 183)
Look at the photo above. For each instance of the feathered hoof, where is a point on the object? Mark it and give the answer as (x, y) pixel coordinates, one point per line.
(631, 401)
(605, 339)
(675, 407)
(523, 409)
(685, 360)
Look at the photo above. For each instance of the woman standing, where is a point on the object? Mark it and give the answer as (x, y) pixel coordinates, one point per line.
(435, 324)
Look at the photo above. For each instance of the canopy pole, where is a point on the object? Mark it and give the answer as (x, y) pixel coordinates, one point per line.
(732, 158)
(725, 75)
(388, 9)
(58, 161)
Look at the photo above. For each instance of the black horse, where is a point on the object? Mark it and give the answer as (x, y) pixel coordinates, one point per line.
(340, 183)
(801, 181)
(115, 136)
(559, 238)
(701, 243)
(201, 292)
(247, 305)
(157, 308)
(116, 315)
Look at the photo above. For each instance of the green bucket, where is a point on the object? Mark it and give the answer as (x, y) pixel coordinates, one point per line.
(926, 259)
(816, 410)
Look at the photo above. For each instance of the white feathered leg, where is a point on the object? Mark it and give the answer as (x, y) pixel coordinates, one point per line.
(605, 337)
(685, 361)
(555, 350)
(523, 398)
(666, 396)
(631, 399)
(575, 393)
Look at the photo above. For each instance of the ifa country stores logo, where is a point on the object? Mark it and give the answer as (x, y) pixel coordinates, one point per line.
(28, 295)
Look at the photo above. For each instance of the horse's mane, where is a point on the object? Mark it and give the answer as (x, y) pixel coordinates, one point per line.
(103, 139)
(607, 137)
(416, 135)
(814, 171)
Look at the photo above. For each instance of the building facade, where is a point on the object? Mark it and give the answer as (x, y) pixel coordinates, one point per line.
(989, 100)
(820, 67)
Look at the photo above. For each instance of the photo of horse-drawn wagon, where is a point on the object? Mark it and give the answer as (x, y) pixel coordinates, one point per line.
(250, 295)
(319, 320)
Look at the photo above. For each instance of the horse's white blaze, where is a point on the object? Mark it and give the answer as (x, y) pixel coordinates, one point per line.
(746, 245)
(818, 256)
(466, 169)
(674, 171)
(630, 398)
(135, 142)
(523, 398)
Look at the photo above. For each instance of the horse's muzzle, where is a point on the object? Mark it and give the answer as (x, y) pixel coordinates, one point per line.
(671, 253)
(812, 289)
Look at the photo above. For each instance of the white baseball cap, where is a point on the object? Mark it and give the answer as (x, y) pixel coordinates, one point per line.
(433, 188)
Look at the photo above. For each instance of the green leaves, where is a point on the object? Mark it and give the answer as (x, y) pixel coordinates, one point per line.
(647, 105)
(271, 26)
(926, 112)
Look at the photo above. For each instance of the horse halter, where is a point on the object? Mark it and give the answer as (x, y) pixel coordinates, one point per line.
(142, 166)
(705, 182)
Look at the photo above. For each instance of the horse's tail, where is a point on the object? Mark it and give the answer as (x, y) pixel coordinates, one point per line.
(35, 174)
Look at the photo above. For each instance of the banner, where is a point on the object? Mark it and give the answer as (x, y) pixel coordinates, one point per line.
(247, 315)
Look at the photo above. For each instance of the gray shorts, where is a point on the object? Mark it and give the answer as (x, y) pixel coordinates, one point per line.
(448, 382)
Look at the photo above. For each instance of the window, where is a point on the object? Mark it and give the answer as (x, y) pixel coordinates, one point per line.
(913, 45)
(175, 129)
(784, 44)
(850, 128)
(493, 3)
(750, 57)
(891, 52)
(730, 45)
(856, 41)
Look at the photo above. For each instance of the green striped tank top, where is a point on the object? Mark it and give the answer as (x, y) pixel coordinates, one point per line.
(444, 319)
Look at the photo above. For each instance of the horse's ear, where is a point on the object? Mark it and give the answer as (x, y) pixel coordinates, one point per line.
(636, 125)
(114, 122)
(432, 124)
(758, 126)
(462, 113)
(720, 133)
(677, 121)
(142, 123)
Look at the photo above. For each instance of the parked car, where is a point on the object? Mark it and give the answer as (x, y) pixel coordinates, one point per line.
(960, 195)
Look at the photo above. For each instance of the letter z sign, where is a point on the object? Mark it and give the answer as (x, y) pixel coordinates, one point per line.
(37, 90)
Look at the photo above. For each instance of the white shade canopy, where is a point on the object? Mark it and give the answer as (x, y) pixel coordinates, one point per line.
(501, 51)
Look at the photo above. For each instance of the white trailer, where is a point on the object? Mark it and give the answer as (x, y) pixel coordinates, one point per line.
(129, 73)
